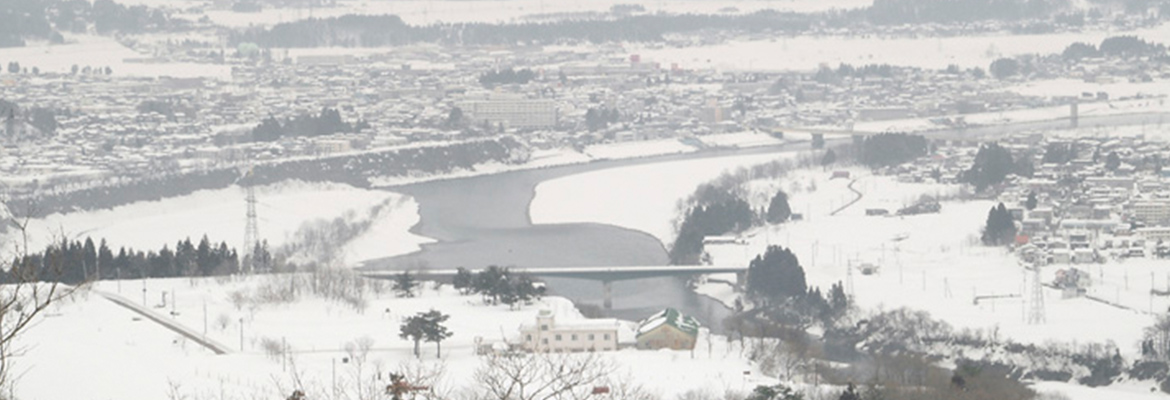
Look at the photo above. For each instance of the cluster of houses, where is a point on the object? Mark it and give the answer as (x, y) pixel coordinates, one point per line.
(121, 127)
(1085, 212)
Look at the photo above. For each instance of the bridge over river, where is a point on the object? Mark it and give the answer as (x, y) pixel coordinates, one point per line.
(606, 275)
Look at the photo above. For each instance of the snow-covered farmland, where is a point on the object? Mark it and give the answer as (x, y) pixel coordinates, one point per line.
(935, 262)
(220, 214)
(428, 12)
(101, 52)
(110, 352)
(1153, 106)
(1078, 87)
(641, 197)
(809, 52)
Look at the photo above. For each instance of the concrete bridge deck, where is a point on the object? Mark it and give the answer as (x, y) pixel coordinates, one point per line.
(607, 275)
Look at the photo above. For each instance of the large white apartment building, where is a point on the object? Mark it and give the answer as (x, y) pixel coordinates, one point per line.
(512, 112)
(1151, 211)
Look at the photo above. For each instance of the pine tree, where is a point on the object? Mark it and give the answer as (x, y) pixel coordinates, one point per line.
(775, 276)
(829, 158)
(778, 209)
(89, 258)
(1030, 204)
(414, 329)
(1000, 228)
(463, 280)
(434, 331)
(404, 284)
(1112, 161)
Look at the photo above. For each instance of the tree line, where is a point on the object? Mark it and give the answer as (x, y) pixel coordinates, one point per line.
(327, 122)
(77, 261)
(1115, 46)
(892, 148)
(506, 76)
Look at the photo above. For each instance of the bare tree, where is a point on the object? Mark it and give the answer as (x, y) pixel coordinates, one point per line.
(23, 295)
(358, 352)
(421, 381)
(542, 376)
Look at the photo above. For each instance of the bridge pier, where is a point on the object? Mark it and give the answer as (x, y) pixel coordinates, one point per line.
(818, 140)
(607, 292)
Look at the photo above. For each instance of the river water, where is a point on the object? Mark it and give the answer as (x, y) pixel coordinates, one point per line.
(484, 220)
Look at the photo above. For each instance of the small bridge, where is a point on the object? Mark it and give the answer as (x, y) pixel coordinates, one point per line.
(606, 275)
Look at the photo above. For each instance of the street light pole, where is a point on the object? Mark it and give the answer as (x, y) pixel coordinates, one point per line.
(241, 334)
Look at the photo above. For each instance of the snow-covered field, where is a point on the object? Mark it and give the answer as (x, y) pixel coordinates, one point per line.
(809, 52)
(1100, 108)
(931, 262)
(100, 52)
(1076, 87)
(108, 352)
(640, 197)
(428, 12)
(220, 214)
(740, 140)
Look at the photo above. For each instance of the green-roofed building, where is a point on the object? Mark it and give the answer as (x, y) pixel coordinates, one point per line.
(668, 329)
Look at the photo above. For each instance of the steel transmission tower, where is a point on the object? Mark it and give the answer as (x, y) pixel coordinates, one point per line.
(1036, 298)
(251, 228)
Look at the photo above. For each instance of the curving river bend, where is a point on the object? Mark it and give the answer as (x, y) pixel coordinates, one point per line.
(484, 220)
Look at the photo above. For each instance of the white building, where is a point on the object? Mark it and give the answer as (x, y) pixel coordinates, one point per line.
(548, 334)
(512, 112)
(1151, 211)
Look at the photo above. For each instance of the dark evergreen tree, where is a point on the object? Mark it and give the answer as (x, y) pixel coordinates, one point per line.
(888, 149)
(404, 284)
(1004, 68)
(414, 328)
(89, 259)
(1000, 229)
(719, 215)
(775, 276)
(992, 164)
(463, 280)
(829, 158)
(434, 331)
(1030, 203)
(778, 209)
(1112, 161)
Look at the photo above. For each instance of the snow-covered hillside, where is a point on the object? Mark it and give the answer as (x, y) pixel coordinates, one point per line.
(220, 214)
(110, 352)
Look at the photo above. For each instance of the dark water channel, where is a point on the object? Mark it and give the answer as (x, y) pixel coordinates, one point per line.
(481, 221)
